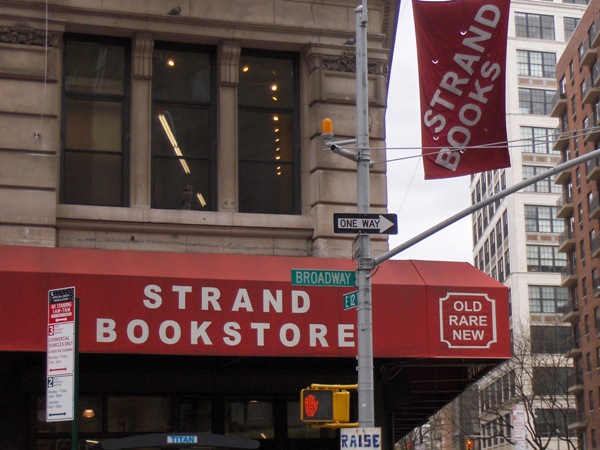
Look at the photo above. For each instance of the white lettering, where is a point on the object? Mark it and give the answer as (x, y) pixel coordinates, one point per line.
(144, 331)
(105, 330)
(176, 332)
(181, 291)
(210, 296)
(242, 300)
(234, 337)
(295, 332)
(154, 299)
(317, 333)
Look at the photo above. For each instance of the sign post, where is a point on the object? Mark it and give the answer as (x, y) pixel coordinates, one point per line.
(60, 355)
(62, 360)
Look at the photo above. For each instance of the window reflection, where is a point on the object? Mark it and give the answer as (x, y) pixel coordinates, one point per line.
(251, 419)
(95, 106)
(182, 142)
(268, 181)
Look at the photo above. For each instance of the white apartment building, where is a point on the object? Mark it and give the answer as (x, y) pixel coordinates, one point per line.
(516, 240)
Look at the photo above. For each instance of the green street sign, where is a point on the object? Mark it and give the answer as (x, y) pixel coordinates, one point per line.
(309, 277)
(350, 300)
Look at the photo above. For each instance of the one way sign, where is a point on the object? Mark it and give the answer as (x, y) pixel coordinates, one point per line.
(365, 223)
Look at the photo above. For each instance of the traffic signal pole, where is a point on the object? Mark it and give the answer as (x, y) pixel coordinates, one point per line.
(365, 264)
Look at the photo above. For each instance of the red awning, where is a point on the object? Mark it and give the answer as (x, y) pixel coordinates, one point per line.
(205, 304)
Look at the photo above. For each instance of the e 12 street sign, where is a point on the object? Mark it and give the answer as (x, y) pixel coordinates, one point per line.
(365, 223)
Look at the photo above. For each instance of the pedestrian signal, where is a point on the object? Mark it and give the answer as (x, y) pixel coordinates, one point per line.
(324, 405)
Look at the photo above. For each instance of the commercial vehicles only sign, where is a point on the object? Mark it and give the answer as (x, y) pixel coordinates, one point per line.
(60, 354)
(468, 320)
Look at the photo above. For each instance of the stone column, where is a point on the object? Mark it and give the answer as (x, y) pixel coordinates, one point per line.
(141, 120)
(227, 166)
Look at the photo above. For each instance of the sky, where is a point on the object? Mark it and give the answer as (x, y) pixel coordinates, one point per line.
(420, 204)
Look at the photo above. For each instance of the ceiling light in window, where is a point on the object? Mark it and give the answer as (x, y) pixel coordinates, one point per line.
(201, 199)
(171, 62)
(275, 118)
(245, 69)
(173, 141)
(277, 157)
(277, 149)
(276, 130)
(279, 173)
(274, 98)
(277, 140)
(88, 413)
(273, 87)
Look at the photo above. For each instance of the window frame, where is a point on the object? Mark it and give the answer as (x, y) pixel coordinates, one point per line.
(124, 99)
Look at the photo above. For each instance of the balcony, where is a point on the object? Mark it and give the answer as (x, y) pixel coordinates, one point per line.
(566, 241)
(559, 103)
(571, 315)
(565, 155)
(568, 275)
(587, 54)
(561, 138)
(589, 92)
(578, 421)
(565, 205)
(592, 169)
(595, 244)
(594, 35)
(576, 383)
(594, 207)
(590, 125)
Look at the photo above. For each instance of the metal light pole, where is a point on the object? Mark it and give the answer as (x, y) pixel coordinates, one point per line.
(366, 388)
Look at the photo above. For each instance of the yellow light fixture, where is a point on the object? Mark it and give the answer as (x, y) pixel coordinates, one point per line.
(276, 130)
(201, 199)
(276, 118)
(274, 98)
(274, 87)
(88, 413)
(277, 157)
(245, 69)
(171, 62)
(327, 128)
(173, 141)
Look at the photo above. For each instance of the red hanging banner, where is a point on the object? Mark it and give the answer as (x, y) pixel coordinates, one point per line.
(461, 47)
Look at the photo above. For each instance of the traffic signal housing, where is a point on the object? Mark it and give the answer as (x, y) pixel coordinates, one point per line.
(324, 406)
(469, 445)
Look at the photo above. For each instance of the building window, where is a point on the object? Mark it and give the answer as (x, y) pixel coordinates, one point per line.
(538, 140)
(536, 26)
(548, 299)
(549, 422)
(141, 414)
(577, 2)
(542, 219)
(182, 128)
(535, 101)
(536, 64)
(551, 380)
(267, 134)
(95, 126)
(250, 419)
(550, 339)
(570, 23)
(545, 185)
(545, 258)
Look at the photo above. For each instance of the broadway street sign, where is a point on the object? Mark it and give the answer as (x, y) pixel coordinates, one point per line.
(310, 277)
(365, 223)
